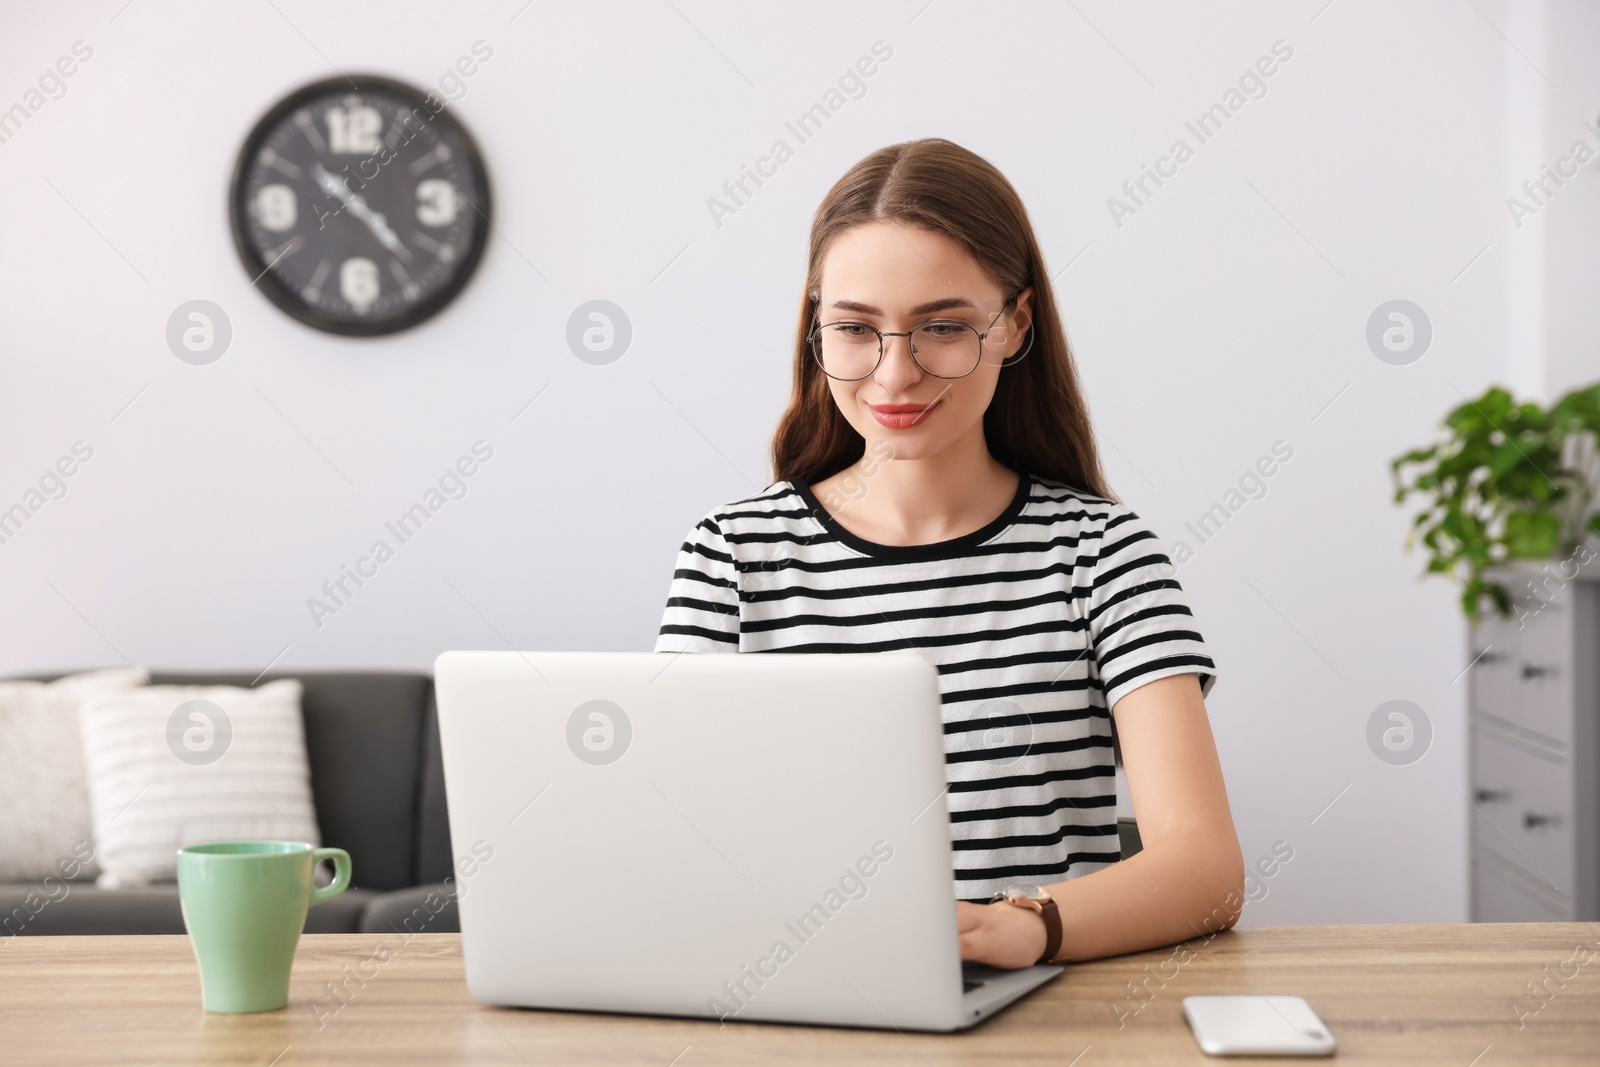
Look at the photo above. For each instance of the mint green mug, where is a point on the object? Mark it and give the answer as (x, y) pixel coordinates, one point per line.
(244, 905)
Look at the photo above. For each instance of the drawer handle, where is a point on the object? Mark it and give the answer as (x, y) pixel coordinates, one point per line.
(1532, 819)
(1532, 670)
(1490, 796)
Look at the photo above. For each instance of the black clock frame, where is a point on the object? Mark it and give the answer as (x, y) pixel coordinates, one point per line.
(286, 298)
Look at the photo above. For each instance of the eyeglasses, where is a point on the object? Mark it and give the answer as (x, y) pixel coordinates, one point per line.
(944, 348)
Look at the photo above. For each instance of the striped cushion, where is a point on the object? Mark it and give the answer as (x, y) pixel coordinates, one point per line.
(171, 766)
(44, 801)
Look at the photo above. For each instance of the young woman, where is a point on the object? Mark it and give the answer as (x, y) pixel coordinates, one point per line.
(938, 489)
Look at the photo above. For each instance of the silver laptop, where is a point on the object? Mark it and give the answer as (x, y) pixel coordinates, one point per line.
(736, 837)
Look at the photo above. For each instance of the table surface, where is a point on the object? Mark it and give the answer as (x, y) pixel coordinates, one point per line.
(1448, 994)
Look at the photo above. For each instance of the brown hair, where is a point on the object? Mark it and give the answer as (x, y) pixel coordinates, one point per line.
(1037, 420)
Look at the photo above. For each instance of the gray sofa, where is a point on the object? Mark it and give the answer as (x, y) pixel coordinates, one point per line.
(378, 783)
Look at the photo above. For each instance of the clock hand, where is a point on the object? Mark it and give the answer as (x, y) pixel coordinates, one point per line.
(390, 239)
(358, 207)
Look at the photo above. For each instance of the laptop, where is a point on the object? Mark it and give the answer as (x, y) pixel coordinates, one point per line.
(734, 837)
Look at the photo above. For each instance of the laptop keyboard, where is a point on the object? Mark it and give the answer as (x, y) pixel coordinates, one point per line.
(973, 976)
(969, 984)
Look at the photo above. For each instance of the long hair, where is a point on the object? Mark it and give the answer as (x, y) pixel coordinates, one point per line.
(1037, 420)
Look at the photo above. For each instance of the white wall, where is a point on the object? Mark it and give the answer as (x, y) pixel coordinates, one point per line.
(1571, 256)
(1224, 316)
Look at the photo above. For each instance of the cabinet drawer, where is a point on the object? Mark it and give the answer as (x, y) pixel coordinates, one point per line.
(1499, 896)
(1523, 810)
(1523, 673)
(1544, 672)
(1495, 651)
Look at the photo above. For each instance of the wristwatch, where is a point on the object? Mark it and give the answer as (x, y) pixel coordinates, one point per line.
(1038, 899)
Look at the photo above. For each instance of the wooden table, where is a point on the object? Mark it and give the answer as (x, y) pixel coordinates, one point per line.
(1440, 994)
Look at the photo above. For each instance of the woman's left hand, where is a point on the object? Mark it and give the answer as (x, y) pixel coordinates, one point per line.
(1000, 935)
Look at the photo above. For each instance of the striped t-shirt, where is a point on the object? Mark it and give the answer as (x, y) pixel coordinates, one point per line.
(1038, 623)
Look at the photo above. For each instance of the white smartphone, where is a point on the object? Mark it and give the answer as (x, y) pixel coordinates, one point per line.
(1257, 1026)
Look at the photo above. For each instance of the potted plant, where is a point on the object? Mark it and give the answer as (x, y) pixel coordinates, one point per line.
(1506, 482)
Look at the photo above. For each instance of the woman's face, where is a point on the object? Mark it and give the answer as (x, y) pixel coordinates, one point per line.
(893, 277)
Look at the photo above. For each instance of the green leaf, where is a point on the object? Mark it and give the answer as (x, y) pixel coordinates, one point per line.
(1496, 405)
(1531, 534)
(1416, 455)
(1466, 420)
(1527, 417)
(1504, 458)
(1455, 524)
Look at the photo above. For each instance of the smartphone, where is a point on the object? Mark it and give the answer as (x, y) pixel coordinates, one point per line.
(1257, 1026)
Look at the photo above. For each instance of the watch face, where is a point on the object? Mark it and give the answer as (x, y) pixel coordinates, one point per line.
(360, 209)
(1023, 892)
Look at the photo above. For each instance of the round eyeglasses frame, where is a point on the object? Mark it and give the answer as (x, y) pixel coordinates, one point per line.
(818, 327)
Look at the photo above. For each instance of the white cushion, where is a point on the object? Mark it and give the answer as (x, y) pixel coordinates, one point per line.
(177, 765)
(44, 799)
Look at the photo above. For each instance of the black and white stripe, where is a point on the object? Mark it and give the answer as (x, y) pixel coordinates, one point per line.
(1038, 623)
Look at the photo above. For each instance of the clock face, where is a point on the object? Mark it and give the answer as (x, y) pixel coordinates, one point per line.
(360, 210)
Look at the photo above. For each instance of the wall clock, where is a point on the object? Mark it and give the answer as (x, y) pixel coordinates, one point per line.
(359, 209)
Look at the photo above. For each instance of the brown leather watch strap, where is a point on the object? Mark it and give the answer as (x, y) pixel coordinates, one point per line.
(1052, 926)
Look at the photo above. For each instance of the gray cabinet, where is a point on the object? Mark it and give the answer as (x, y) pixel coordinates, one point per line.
(1535, 753)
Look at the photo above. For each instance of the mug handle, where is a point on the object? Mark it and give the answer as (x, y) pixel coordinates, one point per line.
(341, 873)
